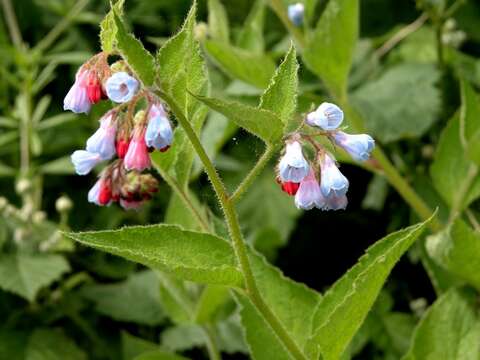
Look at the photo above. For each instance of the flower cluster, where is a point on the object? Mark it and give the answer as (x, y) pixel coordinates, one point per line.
(320, 183)
(127, 133)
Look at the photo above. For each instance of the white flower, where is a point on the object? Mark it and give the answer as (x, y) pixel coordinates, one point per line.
(332, 180)
(327, 116)
(103, 140)
(84, 161)
(358, 146)
(77, 99)
(121, 87)
(293, 166)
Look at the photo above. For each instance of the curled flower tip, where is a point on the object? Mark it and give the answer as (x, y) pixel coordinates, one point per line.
(77, 99)
(94, 87)
(293, 166)
(159, 132)
(332, 180)
(290, 187)
(122, 147)
(103, 140)
(358, 146)
(137, 157)
(328, 117)
(308, 194)
(84, 161)
(121, 87)
(296, 13)
(101, 193)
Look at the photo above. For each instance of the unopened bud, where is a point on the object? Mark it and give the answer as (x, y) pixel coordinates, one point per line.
(201, 31)
(39, 217)
(63, 204)
(139, 116)
(118, 66)
(23, 185)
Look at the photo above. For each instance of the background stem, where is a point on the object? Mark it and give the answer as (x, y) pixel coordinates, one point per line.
(12, 24)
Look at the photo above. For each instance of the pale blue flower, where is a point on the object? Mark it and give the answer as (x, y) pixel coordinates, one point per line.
(358, 146)
(332, 180)
(308, 194)
(296, 13)
(84, 161)
(334, 202)
(94, 193)
(293, 166)
(77, 99)
(328, 117)
(103, 140)
(159, 132)
(121, 87)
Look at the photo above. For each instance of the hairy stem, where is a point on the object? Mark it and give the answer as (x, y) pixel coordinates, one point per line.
(238, 241)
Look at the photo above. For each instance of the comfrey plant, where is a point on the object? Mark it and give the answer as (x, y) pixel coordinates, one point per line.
(123, 134)
(281, 319)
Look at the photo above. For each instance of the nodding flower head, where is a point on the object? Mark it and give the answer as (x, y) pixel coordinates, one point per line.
(137, 157)
(327, 116)
(94, 87)
(121, 87)
(309, 195)
(102, 141)
(159, 132)
(333, 183)
(296, 13)
(101, 192)
(77, 99)
(358, 146)
(293, 166)
(84, 161)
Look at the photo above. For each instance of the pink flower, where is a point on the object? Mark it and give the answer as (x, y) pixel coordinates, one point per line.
(137, 157)
(308, 194)
(77, 99)
(131, 204)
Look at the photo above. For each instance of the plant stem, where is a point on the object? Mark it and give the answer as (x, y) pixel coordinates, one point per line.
(254, 172)
(12, 24)
(238, 242)
(439, 42)
(462, 192)
(213, 352)
(473, 220)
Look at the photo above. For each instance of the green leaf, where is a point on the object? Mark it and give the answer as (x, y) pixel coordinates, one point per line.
(13, 344)
(251, 35)
(211, 299)
(133, 300)
(453, 175)
(176, 299)
(254, 69)
(133, 346)
(330, 47)
(178, 214)
(25, 274)
(186, 254)
(159, 355)
(132, 50)
(402, 103)
(263, 123)
(6, 170)
(218, 21)
(347, 303)
(183, 337)
(48, 344)
(60, 166)
(108, 28)
(281, 95)
(449, 329)
(457, 248)
(470, 122)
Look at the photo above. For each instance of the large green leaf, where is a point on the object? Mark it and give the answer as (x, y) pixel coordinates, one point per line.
(281, 95)
(108, 28)
(263, 123)
(402, 103)
(218, 21)
(186, 254)
(347, 303)
(450, 329)
(25, 274)
(48, 344)
(135, 299)
(470, 122)
(457, 248)
(255, 69)
(132, 50)
(453, 175)
(330, 47)
(133, 346)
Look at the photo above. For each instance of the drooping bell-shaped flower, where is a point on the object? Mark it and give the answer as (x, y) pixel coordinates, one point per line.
(84, 161)
(334, 202)
(121, 87)
(101, 192)
(93, 193)
(332, 183)
(122, 147)
(94, 87)
(308, 194)
(137, 157)
(293, 166)
(328, 117)
(103, 140)
(296, 13)
(159, 132)
(77, 99)
(358, 146)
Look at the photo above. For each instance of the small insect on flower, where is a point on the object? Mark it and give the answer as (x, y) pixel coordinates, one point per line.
(296, 13)
(77, 99)
(103, 140)
(159, 132)
(333, 183)
(309, 195)
(358, 146)
(84, 161)
(121, 87)
(328, 117)
(292, 166)
(137, 157)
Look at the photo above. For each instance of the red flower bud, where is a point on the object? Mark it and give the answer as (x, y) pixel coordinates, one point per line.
(94, 88)
(105, 194)
(290, 187)
(122, 147)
